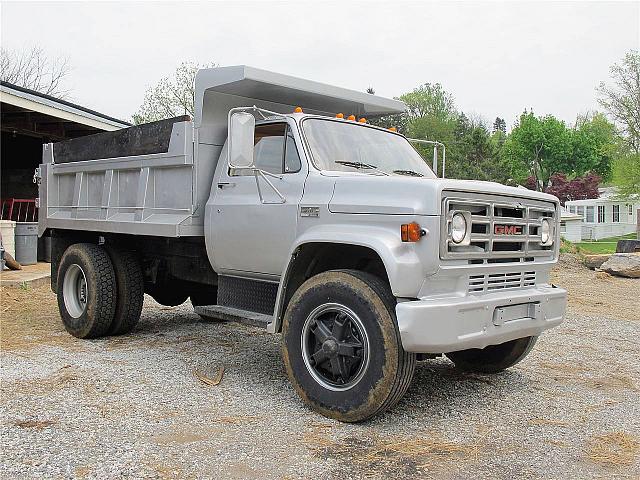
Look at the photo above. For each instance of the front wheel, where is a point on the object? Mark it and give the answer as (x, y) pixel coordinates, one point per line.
(494, 358)
(341, 346)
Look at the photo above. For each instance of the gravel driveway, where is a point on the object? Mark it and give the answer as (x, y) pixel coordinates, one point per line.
(133, 407)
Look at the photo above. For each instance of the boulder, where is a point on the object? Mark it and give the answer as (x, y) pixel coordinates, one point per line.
(623, 265)
(595, 261)
(628, 246)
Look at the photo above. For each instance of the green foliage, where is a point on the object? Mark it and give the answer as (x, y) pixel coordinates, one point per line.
(626, 175)
(539, 147)
(430, 100)
(171, 96)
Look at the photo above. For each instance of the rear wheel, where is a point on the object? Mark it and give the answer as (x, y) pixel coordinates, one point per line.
(341, 346)
(130, 284)
(494, 358)
(86, 290)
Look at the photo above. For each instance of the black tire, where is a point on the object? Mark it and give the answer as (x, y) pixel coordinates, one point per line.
(376, 386)
(89, 265)
(130, 288)
(167, 296)
(494, 358)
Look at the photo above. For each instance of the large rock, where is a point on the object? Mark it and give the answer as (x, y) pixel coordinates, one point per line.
(595, 261)
(623, 265)
(628, 246)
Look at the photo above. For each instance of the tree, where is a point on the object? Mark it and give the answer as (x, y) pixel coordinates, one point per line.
(579, 188)
(32, 69)
(626, 175)
(171, 96)
(430, 100)
(499, 125)
(622, 100)
(595, 145)
(538, 147)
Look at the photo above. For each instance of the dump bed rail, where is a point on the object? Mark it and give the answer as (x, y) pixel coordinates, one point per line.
(141, 180)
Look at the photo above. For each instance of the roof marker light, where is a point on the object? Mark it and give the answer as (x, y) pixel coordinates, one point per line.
(352, 118)
(393, 129)
(340, 115)
(297, 110)
(362, 120)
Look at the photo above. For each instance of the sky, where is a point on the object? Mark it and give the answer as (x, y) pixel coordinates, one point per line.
(496, 58)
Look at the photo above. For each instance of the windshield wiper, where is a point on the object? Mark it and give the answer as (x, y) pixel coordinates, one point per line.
(411, 173)
(360, 165)
(356, 164)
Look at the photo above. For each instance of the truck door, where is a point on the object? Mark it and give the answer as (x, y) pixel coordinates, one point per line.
(253, 225)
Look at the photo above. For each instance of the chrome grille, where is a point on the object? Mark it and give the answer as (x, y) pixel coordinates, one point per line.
(491, 245)
(498, 281)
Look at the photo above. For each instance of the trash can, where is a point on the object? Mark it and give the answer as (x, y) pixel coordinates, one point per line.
(27, 243)
(8, 232)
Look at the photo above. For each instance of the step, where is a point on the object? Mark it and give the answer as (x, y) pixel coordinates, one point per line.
(234, 315)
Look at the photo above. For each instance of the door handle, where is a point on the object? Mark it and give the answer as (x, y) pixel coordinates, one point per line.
(222, 185)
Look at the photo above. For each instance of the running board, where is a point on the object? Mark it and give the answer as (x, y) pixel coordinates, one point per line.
(231, 314)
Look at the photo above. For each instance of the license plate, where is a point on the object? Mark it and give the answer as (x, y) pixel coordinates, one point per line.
(502, 315)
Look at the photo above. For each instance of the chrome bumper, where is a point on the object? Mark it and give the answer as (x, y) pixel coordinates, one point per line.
(441, 325)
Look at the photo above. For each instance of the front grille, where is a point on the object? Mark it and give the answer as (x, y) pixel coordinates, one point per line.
(498, 281)
(517, 237)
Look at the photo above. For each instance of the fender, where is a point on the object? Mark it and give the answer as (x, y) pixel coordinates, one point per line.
(400, 260)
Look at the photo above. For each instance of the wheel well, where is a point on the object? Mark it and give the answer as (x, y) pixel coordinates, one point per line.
(313, 258)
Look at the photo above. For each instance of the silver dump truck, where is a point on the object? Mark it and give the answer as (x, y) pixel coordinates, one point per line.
(281, 207)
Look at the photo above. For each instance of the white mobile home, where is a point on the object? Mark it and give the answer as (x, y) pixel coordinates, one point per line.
(606, 216)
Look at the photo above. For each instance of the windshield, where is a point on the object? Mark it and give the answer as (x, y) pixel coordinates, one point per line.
(347, 147)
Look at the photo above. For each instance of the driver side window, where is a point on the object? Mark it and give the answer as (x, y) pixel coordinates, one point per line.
(274, 150)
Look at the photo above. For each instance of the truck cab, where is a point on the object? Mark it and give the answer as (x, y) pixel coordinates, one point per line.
(280, 206)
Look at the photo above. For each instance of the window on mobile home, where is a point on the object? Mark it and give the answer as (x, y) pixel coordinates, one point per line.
(616, 213)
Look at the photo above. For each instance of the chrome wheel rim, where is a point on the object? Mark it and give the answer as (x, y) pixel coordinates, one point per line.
(335, 346)
(74, 289)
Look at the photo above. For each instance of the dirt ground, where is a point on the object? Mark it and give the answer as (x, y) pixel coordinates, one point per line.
(136, 406)
(597, 293)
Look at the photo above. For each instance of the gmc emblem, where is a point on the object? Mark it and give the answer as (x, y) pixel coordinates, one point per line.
(507, 229)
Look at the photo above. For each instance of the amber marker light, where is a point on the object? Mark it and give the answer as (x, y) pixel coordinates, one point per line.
(340, 115)
(297, 110)
(393, 129)
(362, 120)
(351, 117)
(411, 232)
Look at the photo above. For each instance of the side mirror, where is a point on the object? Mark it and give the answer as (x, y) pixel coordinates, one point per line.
(242, 127)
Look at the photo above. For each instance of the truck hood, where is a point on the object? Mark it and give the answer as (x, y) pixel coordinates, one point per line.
(396, 195)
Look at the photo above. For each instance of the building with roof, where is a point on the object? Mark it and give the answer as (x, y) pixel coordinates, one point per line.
(28, 120)
(606, 216)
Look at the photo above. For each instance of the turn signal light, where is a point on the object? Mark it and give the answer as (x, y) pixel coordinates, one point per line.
(297, 110)
(411, 232)
(340, 115)
(351, 117)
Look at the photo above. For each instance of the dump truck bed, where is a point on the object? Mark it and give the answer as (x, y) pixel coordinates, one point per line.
(140, 180)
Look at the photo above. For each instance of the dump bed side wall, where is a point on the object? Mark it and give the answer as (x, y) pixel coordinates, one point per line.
(160, 194)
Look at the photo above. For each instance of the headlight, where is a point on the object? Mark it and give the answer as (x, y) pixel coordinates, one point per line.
(458, 228)
(546, 237)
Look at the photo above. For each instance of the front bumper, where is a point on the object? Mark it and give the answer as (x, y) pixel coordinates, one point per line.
(441, 325)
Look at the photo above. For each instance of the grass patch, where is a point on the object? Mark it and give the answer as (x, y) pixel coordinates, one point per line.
(602, 246)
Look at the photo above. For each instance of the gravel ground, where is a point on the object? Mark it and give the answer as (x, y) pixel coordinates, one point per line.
(132, 407)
